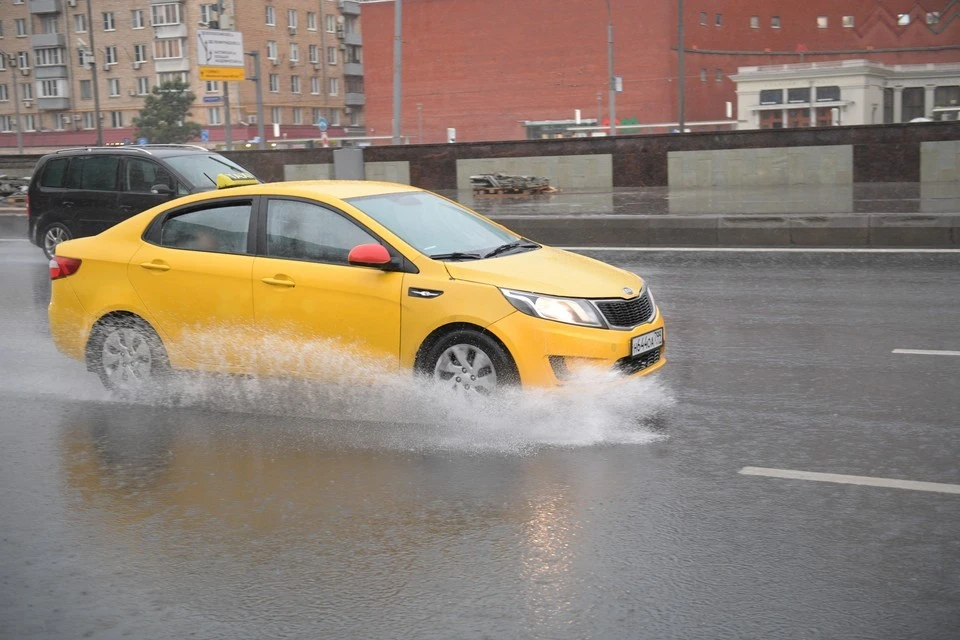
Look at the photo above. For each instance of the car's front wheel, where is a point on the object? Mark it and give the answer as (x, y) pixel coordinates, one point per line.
(128, 356)
(53, 234)
(470, 361)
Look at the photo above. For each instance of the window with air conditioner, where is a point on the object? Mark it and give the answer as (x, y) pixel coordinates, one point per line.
(111, 55)
(139, 53)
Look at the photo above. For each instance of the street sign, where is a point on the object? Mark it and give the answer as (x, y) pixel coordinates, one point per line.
(322, 124)
(212, 98)
(220, 54)
(142, 142)
(618, 84)
(325, 140)
(204, 135)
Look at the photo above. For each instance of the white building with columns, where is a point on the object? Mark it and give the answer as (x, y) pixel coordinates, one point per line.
(847, 92)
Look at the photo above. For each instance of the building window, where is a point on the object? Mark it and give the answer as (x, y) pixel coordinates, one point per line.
(292, 18)
(294, 52)
(798, 95)
(214, 116)
(274, 83)
(775, 24)
(334, 118)
(798, 118)
(26, 91)
(355, 118)
(21, 24)
(316, 113)
(771, 119)
(86, 89)
(23, 59)
(89, 121)
(165, 14)
(903, 19)
(297, 115)
(828, 94)
(109, 22)
(718, 75)
(754, 22)
(29, 122)
(1, 28)
(143, 86)
(139, 53)
(354, 54)
(933, 17)
(314, 53)
(703, 75)
(116, 119)
(718, 20)
(111, 55)
(913, 104)
(136, 18)
(80, 23)
(212, 86)
(113, 87)
(946, 96)
(166, 48)
(173, 76)
(4, 93)
(294, 84)
(206, 13)
(48, 57)
(275, 115)
(334, 86)
(331, 23)
(848, 22)
(331, 55)
(50, 89)
(49, 24)
(703, 18)
(6, 123)
(822, 22)
(311, 21)
(271, 49)
(271, 18)
(771, 96)
(315, 85)
(354, 85)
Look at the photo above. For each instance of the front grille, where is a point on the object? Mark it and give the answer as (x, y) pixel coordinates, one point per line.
(627, 314)
(633, 364)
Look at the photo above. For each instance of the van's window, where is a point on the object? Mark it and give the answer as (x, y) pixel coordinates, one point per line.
(93, 173)
(303, 231)
(53, 172)
(141, 176)
(220, 229)
(201, 169)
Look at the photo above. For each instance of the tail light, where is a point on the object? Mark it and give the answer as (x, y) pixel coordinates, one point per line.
(61, 267)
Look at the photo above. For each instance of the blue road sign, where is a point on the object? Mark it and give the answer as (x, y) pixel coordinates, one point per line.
(126, 141)
(204, 135)
(141, 141)
(212, 99)
(322, 124)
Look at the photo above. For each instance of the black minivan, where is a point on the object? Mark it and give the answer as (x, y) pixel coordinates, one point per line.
(81, 192)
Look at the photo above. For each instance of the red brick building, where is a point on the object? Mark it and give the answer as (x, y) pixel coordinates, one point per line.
(487, 67)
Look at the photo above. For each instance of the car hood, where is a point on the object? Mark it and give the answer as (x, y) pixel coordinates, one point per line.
(549, 271)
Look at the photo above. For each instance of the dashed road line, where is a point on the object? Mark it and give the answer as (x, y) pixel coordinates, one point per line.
(926, 352)
(892, 483)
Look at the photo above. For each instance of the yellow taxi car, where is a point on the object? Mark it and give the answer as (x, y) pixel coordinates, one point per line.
(400, 278)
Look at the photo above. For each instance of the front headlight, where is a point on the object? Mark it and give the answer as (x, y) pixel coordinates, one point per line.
(568, 310)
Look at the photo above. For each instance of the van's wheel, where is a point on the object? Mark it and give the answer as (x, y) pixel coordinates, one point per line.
(128, 356)
(470, 361)
(53, 234)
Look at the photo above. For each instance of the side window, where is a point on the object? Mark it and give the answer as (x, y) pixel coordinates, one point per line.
(93, 173)
(140, 176)
(219, 229)
(53, 173)
(304, 231)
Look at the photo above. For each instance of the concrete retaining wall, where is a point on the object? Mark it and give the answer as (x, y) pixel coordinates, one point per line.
(565, 172)
(940, 161)
(764, 167)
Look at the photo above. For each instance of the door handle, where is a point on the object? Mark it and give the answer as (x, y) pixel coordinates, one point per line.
(155, 266)
(277, 282)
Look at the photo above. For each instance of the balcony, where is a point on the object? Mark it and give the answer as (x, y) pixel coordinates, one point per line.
(53, 104)
(53, 72)
(351, 37)
(352, 69)
(47, 40)
(46, 6)
(170, 65)
(355, 99)
(170, 31)
(350, 7)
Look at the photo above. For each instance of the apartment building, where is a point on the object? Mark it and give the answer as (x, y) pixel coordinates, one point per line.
(311, 58)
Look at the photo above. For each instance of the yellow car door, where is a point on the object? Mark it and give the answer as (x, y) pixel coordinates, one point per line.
(193, 276)
(317, 314)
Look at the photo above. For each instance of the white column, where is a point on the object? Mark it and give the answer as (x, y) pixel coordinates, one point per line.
(928, 100)
(897, 103)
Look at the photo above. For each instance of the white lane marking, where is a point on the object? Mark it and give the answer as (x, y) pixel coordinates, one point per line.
(765, 249)
(927, 352)
(892, 483)
(14, 240)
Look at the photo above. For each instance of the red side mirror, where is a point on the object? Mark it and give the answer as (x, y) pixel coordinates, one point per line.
(369, 255)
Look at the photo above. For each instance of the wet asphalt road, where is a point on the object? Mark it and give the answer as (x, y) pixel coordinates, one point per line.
(287, 512)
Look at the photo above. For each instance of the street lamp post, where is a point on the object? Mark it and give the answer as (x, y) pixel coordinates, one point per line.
(681, 72)
(420, 122)
(613, 79)
(397, 66)
(259, 81)
(96, 82)
(12, 63)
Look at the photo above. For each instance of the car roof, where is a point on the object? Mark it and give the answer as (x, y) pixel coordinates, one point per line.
(339, 189)
(155, 151)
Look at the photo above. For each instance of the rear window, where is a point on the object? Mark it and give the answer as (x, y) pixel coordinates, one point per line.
(201, 169)
(53, 172)
(93, 173)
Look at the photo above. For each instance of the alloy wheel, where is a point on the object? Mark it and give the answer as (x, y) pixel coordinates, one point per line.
(127, 359)
(52, 237)
(466, 367)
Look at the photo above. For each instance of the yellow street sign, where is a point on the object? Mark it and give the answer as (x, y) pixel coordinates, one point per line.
(222, 73)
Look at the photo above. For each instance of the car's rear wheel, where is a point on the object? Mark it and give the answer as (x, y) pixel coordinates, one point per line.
(471, 362)
(128, 356)
(53, 234)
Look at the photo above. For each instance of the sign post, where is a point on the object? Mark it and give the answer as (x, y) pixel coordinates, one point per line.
(220, 54)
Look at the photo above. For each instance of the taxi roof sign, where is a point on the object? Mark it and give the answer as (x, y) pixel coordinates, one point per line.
(227, 180)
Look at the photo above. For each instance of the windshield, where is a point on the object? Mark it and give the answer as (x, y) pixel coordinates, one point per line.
(201, 169)
(433, 225)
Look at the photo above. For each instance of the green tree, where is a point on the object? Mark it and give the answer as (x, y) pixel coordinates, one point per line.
(163, 119)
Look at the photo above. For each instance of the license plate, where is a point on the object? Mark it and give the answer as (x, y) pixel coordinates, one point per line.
(646, 342)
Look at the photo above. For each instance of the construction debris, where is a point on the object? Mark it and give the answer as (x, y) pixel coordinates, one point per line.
(502, 183)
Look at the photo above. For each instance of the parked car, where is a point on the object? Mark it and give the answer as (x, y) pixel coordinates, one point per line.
(403, 278)
(80, 192)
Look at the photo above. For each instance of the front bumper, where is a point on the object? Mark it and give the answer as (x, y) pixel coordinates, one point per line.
(551, 353)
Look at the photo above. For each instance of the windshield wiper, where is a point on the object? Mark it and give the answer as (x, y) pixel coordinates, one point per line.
(456, 255)
(518, 244)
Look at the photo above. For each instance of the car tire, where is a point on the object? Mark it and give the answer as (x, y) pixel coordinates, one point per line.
(466, 360)
(129, 357)
(52, 235)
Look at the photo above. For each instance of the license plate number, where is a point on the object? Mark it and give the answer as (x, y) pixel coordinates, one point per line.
(647, 342)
